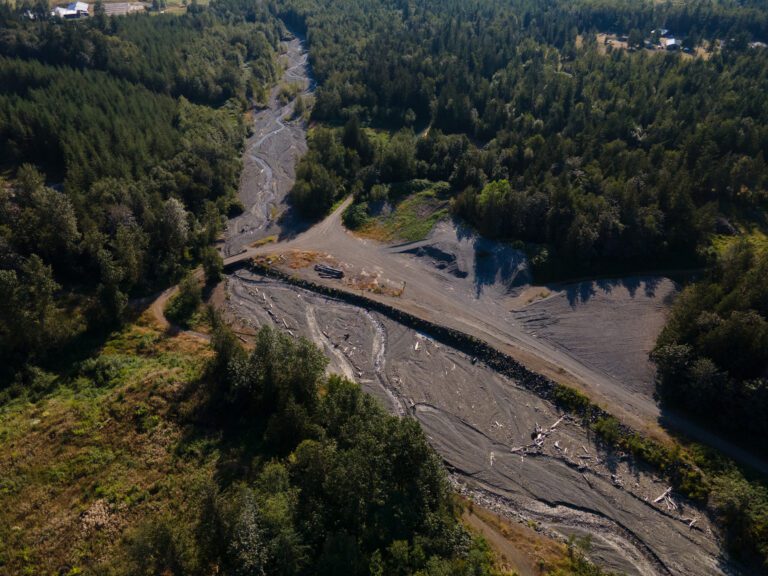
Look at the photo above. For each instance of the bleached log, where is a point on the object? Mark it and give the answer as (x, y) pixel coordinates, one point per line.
(663, 496)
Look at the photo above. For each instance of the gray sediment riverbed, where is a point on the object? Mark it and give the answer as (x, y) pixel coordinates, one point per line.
(269, 162)
(481, 424)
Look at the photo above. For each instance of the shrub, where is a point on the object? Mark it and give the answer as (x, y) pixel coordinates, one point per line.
(184, 304)
(356, 216)
(213, 265)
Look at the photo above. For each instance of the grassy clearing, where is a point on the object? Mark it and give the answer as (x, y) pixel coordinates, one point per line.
(749, 225)
(755, 235)
(411, 219)
(82, 465)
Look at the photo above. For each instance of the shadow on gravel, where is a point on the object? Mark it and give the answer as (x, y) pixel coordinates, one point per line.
(493, 262)
(292, 224)
(583, 292)
(498, 263)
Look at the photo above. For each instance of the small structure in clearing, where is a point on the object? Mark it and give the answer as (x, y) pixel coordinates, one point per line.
(669, 44)
(660, 39)
(72, 11)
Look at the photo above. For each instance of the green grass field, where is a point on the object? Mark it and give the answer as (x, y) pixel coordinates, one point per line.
(411, 219)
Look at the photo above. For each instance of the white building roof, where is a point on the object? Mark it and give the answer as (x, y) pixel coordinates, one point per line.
(62, 12)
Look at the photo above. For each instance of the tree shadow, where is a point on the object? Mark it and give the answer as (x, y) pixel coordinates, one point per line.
(463, 230)
(210, 433)
(498, 263)
(292, 224)
(582, 292)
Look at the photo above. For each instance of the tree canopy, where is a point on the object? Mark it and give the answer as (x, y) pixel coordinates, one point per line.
(121, 139)
(613, 159)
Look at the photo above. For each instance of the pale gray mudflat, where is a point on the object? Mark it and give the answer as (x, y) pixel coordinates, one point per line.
(610, 324)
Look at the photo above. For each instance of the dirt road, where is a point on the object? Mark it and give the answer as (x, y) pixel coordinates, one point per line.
(157, 307)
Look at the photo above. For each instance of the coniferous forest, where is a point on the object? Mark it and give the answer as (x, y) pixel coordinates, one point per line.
(625, 159)
(123, 138)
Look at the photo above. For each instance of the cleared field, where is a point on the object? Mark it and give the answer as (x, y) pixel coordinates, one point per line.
(604, 41)
(88, 462)
(409, 220)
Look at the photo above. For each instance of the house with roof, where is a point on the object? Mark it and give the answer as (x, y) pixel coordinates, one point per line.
(72, 11)
(670, 44)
